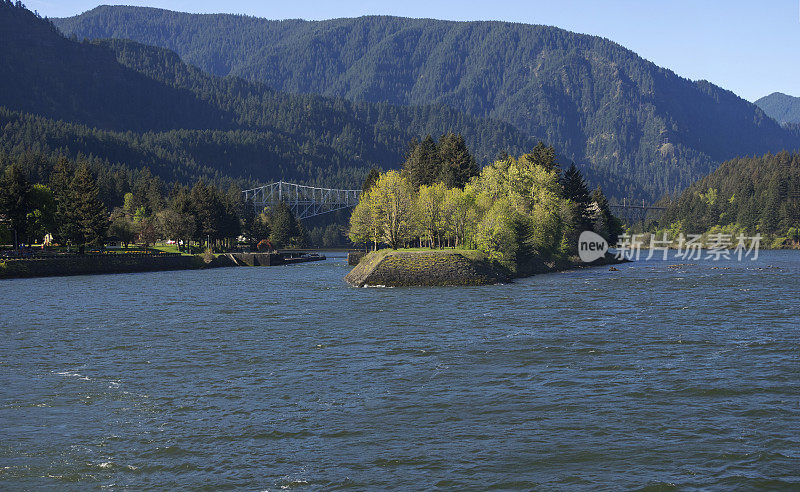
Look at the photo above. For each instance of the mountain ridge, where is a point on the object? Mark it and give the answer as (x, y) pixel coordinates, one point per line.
(121, 86)
(597, 102)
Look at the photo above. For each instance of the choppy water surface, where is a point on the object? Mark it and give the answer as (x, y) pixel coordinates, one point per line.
(284, 377)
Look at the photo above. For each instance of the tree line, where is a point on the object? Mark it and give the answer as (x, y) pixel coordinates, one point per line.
(516, 210)
(747, 195)
(68, 210)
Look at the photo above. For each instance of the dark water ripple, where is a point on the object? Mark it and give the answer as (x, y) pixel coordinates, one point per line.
(654, 378)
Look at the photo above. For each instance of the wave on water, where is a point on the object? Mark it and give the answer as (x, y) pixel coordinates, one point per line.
(73, 374)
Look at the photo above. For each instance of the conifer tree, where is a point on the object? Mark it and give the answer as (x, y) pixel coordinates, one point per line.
(371, 179)
(90, 214)
(65, 216)
(577, 193)
(284, 227)
(458, 165)
(15, 192)
(423, 164)
(604, 222)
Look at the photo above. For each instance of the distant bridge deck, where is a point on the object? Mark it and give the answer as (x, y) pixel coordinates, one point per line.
(304, 201)
(633, 212)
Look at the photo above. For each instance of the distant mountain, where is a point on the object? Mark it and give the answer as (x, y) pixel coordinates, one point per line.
(597, 102)
(781, 107)
(141, 105)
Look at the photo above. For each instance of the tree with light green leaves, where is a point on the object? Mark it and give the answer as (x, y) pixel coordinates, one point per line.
(429, 213)
(496, 235)
(364, 227)
(461, 215)
(525, 215)
(392, 205)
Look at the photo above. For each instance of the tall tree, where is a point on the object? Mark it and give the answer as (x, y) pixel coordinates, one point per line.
(122, 228)
(15, 194)
(542, 155)
(209, 211)
(577, 193)
(393, 206)
(370, 180)
(61, 184)
(603, 221)
(285, 229)
(90, 214)
(364, 226)
(461, 215)
(458, 165)
(422, 166)
(428, 213)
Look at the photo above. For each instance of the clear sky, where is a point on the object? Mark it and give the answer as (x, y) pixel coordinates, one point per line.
(751, 47)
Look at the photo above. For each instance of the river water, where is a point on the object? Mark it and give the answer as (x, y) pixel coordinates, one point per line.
(655, 376)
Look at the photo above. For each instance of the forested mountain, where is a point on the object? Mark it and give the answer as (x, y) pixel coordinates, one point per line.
(757, 194)
(781, 107)
(595, 101)
(140, 105)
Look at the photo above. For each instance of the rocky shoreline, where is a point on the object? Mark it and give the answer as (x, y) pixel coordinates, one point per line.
(389, 268)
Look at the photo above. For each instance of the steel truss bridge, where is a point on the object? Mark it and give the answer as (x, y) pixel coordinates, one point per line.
(304, 201)
(631, 212)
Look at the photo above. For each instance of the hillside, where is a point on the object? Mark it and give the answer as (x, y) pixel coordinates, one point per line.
(756, 193)
(597, 102)
(781, 107)
(140, 105)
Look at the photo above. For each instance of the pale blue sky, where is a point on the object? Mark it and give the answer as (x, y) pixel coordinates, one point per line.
(750, 47)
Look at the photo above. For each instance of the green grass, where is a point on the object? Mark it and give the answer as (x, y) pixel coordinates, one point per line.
(167, 248)
(472, 254)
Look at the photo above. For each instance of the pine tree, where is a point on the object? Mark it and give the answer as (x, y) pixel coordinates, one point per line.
(206, 212)
(575, 190)
(458, 165)
(423, 164)
(283, 226)
(575, 186)
(371, 179)
(15, 194)
(91, 215)
(604, 222)
(61, 184)
(542, 155)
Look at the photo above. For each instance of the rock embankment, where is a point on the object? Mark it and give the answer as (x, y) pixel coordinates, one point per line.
(425, 268)
(390, 268)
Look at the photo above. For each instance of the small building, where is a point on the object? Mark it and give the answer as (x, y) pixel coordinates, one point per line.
(113, 242)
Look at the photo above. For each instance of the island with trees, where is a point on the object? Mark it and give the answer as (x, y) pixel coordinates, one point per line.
(445, 222)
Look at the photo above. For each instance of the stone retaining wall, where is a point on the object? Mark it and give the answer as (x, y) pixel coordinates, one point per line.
(103, 263)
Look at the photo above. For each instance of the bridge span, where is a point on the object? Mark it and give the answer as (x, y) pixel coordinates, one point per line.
(304, 201)
(632, 212)
(310, 201)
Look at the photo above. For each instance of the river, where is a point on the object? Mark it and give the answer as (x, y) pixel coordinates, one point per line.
(655, 376)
